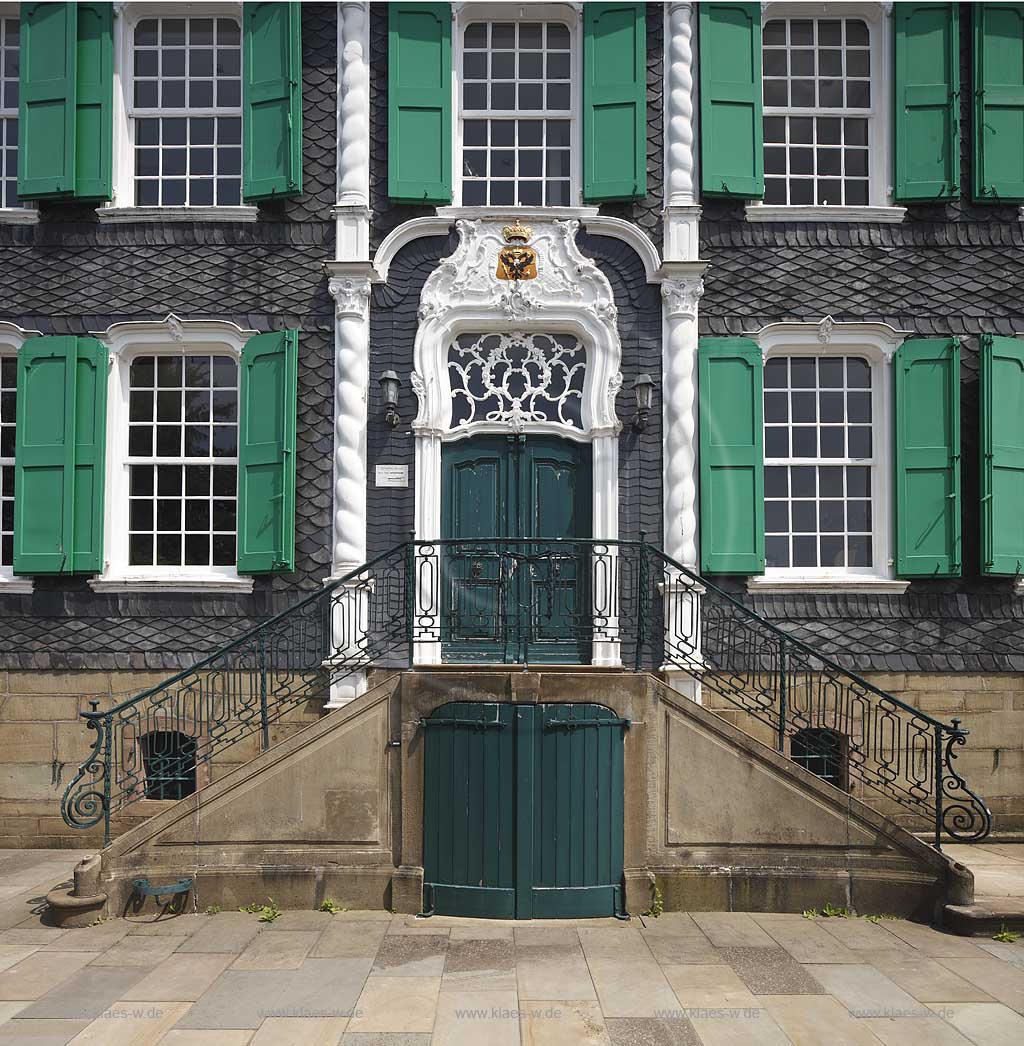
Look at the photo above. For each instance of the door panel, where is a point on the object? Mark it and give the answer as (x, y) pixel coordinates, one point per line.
(523, 811)
(468, 811)
(523, 601)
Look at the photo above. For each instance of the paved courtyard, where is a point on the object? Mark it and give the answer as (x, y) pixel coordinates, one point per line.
(373, 979)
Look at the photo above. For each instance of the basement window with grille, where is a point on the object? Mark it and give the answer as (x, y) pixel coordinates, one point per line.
(824, 753)
(169, 762)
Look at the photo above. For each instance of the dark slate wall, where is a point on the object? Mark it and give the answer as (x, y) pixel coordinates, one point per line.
(949, 269)
(393, 325)
(69, 274)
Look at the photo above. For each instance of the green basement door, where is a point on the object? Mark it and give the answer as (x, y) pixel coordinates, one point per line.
(524, 600)
(522, 811)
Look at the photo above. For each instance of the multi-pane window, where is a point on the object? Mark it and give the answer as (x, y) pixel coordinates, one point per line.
(187, 112)
(823, 752)
(9, 29)
(8, 403)
(182, 460)
(516, 114)
(818, 463)
(817, 110)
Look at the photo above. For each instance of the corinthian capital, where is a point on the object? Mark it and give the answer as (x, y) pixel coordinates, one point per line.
(351, 295)
(681, 296)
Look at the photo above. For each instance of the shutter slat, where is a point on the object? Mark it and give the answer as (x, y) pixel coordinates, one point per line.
(1002, 455)
(271, 100)
(266, 453)
(46, 101)
(420, 102)
(926, 160)
(928, 458)
(999, 102)
(94, 102)
(614, 102)
(731, 456)
(732, 127)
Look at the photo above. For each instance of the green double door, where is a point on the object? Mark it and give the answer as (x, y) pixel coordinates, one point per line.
(523, 811)
(525, 598)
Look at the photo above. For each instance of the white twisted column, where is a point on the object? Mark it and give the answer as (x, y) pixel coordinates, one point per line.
(682, 214)
(353, 116)
(351, 296)
(351, 376)
(679, 379)
(680, 295)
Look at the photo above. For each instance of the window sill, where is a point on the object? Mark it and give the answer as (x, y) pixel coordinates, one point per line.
(19, 216)
(11, 585)
(824, 585)
(120, 215)
(171, 584)
(764, 212)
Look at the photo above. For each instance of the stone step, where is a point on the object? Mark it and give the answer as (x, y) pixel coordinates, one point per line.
(987, 916)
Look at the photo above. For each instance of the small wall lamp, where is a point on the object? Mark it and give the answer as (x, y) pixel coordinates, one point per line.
(643, 390)
(389, 386)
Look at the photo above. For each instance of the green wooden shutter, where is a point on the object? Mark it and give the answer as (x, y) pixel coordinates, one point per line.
(928, 458)
(998, 102)
(59, 456)
(46, 101)
(266, 453)
(614, 102)
(1002, 455)
(926, 161)
(271, 100)
(731, 126)
(94, 102)
(731, 456)
(420, 103)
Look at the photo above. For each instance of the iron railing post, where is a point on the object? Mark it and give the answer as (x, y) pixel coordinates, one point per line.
(410, 591)
(261, 648)
(108, 744)
(641, 603)
(938, 785)
(781, 745)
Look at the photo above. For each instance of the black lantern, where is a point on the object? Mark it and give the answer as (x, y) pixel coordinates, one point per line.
(389, 385)
(643, 389)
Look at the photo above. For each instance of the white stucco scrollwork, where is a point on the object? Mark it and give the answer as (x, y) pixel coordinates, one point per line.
(351, 371)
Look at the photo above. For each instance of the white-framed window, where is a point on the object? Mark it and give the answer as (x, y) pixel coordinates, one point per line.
(828, 454)
(819, 454)
(172, 455)
(826, 96)
(182, 460)
(10, 27)
(186, 111)
(11, 339)
(517, 88)
(817, 111)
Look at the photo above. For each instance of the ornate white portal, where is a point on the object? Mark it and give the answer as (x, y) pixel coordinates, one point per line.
(527, 356)
(539, 355)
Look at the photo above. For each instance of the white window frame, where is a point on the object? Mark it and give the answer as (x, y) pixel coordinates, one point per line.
(567, 14)
(12, 337)
(122, 208)
(126, 341)
(875, 342)
(880, 207)
(28, 212)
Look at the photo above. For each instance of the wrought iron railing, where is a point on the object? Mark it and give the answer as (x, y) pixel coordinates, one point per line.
(524, 601)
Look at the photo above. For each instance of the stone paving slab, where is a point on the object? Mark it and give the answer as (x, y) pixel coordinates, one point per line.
(237, 999)
(179, 978)
(85, 994)
(771, 971)
(40, 1032)
(646, 1031)
(223, 934)
(349, 940)
(402, 955)
(35, 976)
(812, 1019)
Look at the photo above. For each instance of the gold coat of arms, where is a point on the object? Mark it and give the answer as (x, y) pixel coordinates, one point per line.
(517, 261)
